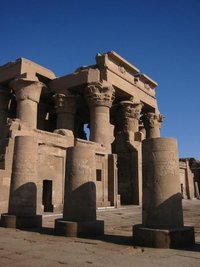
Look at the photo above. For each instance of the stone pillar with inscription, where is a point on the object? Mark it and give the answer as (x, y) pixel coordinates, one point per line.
(152, 123)
(65, 105)
(27, 95)
(79, 214)
(162, 214)
(23, 189)
(100, 97)
(5, 97)
(127, 145)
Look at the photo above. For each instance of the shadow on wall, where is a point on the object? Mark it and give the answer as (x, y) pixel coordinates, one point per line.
(128, 176)
(23, 200)
(80, 204)
(168, 214)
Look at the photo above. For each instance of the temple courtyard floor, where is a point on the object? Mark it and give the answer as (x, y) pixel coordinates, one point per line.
(43, 248)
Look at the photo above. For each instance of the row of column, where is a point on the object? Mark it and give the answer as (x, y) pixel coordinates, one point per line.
(100, 98)
(127, 115)
(162, 217)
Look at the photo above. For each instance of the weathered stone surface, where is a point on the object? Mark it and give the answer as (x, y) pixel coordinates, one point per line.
(27, 96)
(152, 123)
(65, 105)
(24, 68)
(163, 238)
(100, 98)
(79, 214)
(126, 116)
(23, 190)
(162, 214)
(110, 103)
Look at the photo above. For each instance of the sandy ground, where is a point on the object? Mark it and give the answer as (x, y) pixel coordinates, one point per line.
(23, 248)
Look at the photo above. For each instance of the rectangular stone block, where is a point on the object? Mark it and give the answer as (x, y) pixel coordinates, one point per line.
(163, 238)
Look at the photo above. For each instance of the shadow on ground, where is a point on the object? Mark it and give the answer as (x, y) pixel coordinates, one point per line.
(113, 239)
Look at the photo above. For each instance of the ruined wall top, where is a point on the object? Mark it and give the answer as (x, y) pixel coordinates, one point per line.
(127, 80)
(114, 62)
(26, 69)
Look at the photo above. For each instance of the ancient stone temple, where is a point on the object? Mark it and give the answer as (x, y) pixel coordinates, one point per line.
(110, 106)
(189, 169)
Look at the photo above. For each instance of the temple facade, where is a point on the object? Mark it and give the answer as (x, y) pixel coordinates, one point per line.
(110, 107)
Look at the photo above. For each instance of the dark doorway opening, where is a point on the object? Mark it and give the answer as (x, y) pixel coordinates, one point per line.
(47, 196)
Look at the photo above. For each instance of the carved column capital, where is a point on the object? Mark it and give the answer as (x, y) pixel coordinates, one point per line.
(127, 115)
(65, 103)
(27, 95)
(100, 94)
(152, 120)
(152, 123)
(27, 89)
(131, 110)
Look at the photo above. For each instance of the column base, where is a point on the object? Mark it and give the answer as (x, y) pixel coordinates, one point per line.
(20, 222)
(163, 238)
(79, 229)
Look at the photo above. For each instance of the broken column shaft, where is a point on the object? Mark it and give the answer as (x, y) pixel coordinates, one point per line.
(23, 190)
(162, 214)
(79, 214)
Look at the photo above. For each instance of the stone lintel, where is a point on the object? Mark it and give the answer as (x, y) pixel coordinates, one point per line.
(24, 68)
(148, 81)
(77, 79)
(114, 62)
(104, 60)
(163, 238)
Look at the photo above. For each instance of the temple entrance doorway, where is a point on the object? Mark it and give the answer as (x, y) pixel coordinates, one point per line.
(47, 196)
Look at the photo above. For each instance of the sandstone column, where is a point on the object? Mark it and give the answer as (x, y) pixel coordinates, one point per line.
(152, 123)
(23, 190)
(130, 115)
(100, 98)
(5, 97)
(127, 145)
(79, 215)
(27, 96)
(162, 214)
(65, 105)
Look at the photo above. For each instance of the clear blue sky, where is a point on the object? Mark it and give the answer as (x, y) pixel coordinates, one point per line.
(160, 37)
